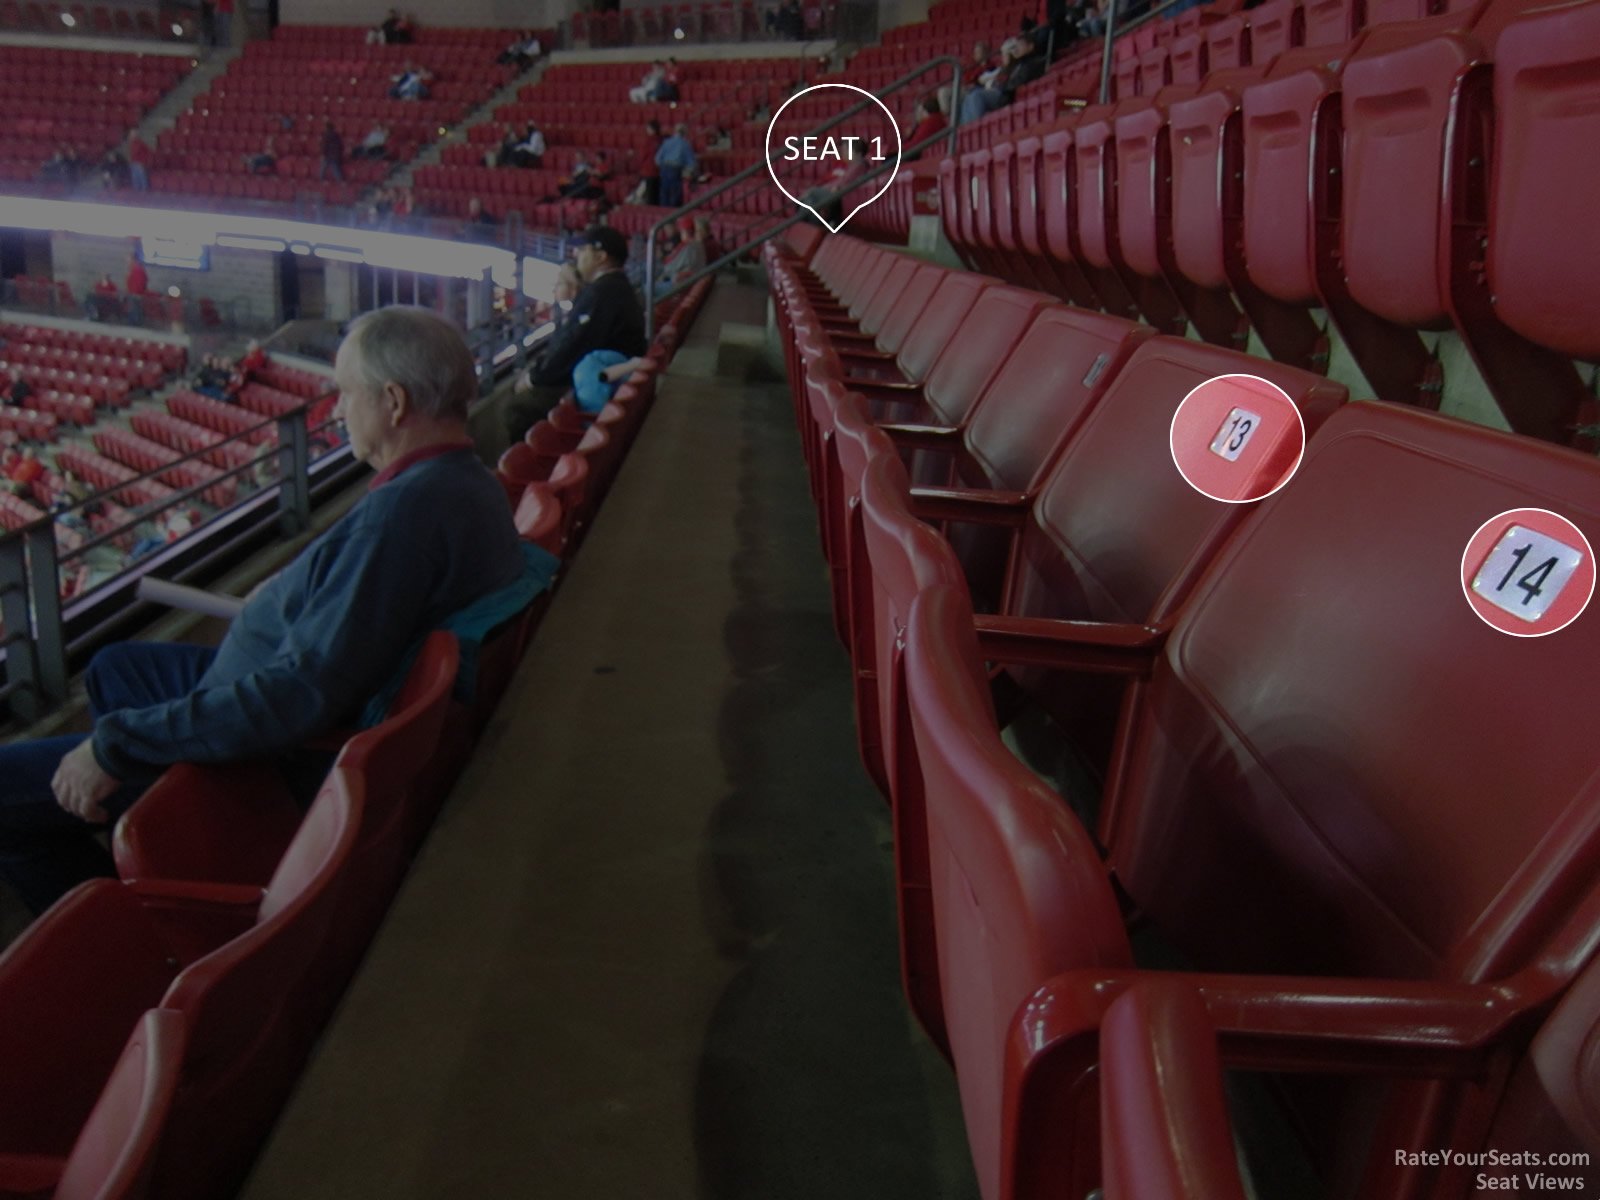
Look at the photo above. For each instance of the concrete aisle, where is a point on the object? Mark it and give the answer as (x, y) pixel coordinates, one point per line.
(649, 949)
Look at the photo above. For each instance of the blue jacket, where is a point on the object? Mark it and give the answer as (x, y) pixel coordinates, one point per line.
(677, 153)
(324, 636)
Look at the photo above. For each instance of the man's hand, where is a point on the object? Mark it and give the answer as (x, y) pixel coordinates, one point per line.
(80, 784)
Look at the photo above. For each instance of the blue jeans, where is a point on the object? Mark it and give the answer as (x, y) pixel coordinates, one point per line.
(980, 103)
(45, 851)
(139, 177)
(672, 187)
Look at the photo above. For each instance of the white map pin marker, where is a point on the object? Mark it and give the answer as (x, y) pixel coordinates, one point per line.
(888, 176)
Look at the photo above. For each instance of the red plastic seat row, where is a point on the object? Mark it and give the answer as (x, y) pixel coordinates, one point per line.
(1213, 203)
(1004, 639)
(1243, 815)
(224, 418)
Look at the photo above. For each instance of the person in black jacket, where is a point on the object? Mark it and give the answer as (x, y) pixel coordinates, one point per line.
(606, 315)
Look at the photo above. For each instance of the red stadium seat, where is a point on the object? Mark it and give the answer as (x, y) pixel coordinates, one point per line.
(115, 1153)
(1239, 764)
(1513, 307)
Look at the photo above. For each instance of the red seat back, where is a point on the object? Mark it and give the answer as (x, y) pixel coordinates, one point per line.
(1017, 889)
(244, 1050)
(1059, 370)
(906, 309)
(934, 329)
(115, 1153)
(72, 986)
(986, 339)
(1281, 743)
(1544, 249)
(1105, 542)
(1395, 108)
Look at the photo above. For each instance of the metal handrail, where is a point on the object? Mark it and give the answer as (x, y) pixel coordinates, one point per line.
(700, 202)
(1112, 32)
(767, 234)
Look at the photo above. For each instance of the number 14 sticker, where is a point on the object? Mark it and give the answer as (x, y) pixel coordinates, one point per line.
(1528, 572)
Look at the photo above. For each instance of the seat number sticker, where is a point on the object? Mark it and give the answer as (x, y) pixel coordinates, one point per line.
(1238, 427)
(1525, 572)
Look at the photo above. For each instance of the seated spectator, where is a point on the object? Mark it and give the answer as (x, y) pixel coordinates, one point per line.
(568, 285)
(264, 161)
(606, 315)
(375, 144)
(62, 166)
(687, 257)
(583, 183)
(405, 31)
(254, 359)
(528, 151)
(380, 206)
(405, 204)
(1021, 64)
(666, 91)
(927, 120)
(827, 197)
(646, 91)
(411, 83)
(332, 153)
(480, 222)
(19, 390)
(521, 54)
(23, 472)
(982, 64)
(1092, 23)
(315, 645)
(102, 304)
(114, 174)
(211, 377)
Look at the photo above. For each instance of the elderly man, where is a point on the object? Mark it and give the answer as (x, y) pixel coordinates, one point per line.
(315, 644)
(606, 315)
(676, 161)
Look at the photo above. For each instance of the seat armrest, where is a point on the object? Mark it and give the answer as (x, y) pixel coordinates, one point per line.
(975, 506)
(1380, 1027)
(196, 918)
(1098, 646)
(1348, 1027)
(924, 437)
(1164, 1127)
(849, 355)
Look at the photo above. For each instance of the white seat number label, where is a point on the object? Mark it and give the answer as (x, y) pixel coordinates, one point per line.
(1525, 572)
(1238, 428)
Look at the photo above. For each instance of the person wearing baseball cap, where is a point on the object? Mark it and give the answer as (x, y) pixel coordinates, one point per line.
(605, 315)
(689, 257)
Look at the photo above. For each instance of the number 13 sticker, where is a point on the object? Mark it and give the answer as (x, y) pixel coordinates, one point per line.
(1528, 572)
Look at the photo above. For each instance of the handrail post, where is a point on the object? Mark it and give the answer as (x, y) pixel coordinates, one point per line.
(22, 667)
(44, 593)
(1105, 59)
(650, 286)
(955, 106)
(294, 474)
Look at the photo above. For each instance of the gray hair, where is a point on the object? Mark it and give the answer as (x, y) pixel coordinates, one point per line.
(422, 352)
